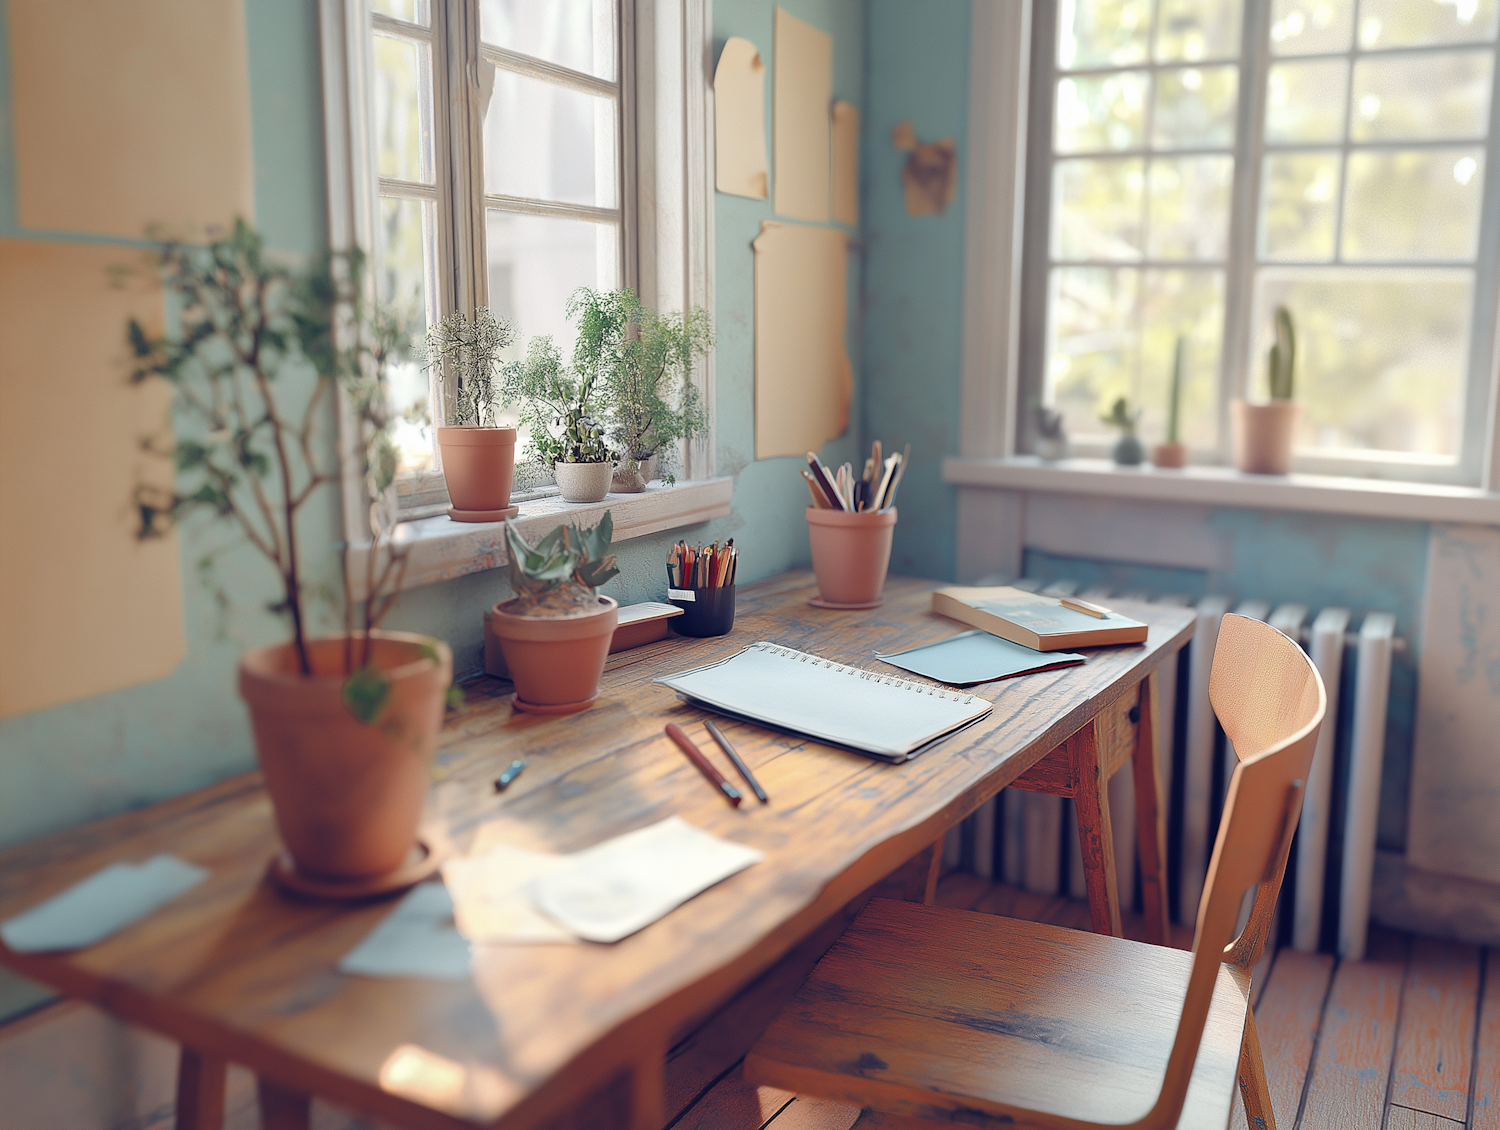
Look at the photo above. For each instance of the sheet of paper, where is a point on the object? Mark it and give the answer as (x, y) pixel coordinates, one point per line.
(803, 65)
(803, 379)
(977, 657)
(103, 904)
(492, 895)
(740, 120)
(845, 164)
(130, 115)
(930, 175)
(60, 314)
(609, 891)
(416, 939)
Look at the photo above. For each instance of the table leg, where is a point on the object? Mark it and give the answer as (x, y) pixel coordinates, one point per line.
(200, 1091)
(282, 1108)
(648, 1091)
(1151, 814)
(1095, 838)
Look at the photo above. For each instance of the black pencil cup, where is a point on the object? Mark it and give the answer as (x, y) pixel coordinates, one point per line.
(709, 613)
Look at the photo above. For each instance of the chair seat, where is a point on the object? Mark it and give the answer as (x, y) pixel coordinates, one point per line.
(924, 1011)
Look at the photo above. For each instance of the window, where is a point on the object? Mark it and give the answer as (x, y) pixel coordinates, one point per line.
(1194, 163)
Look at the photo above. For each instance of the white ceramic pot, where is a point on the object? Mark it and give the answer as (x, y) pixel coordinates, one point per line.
(583, 482)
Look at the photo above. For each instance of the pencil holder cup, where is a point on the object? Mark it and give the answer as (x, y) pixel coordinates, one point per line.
(851, 551)
(709, 613)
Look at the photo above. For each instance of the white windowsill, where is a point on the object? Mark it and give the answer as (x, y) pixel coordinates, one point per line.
(441, 549)
(1222, 486)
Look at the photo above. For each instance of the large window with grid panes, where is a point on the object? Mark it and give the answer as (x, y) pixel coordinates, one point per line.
(1193, 164)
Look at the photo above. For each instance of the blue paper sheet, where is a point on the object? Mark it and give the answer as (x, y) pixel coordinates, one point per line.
(977, 657)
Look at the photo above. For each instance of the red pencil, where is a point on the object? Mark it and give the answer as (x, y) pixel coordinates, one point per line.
(705, 766)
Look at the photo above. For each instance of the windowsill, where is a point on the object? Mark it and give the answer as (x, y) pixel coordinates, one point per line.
(1222, 486)
(441, 549)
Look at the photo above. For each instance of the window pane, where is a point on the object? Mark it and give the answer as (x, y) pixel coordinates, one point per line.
(1091, 346)
(550, 143)
(1195, 107)
(406, 242)
(402, 129)
(1190, 30)
(1305, 101)
(1105, 112)
(1190, 303)
(1097, 209)
(1311, 27)
(1299, 198)
(1422, 96)
(573, 33)
(1189, 206)
(537, 262)
(1415, 204)
(1381, 356)
(412, 11)
(1102, 33)
(1408, 23)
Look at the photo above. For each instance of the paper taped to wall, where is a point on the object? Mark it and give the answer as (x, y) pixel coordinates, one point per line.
(845, 164)
(740, 120)
(803, 91)
(803, 378)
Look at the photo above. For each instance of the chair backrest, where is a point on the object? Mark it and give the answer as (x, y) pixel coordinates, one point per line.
(1270, 701)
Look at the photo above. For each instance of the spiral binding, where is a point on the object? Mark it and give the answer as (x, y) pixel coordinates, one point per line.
(869, 676)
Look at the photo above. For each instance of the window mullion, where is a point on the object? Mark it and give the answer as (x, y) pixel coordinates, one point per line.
(463, 231)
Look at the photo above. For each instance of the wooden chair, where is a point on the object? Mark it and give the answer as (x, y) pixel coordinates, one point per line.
(951, 1016)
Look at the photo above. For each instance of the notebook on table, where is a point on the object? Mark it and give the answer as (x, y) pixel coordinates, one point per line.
(866, 711)
(1032, 620)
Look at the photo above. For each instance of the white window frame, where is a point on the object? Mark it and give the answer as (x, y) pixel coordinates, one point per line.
(667, 244)
(1002, 307)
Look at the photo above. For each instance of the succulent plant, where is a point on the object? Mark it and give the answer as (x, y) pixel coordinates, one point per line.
(558, 577)
(1281, 361)
(1120, 416)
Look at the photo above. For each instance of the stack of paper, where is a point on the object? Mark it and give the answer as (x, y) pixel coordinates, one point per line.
(103, 904)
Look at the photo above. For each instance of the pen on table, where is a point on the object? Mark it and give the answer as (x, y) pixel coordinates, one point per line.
(718, 736)
(705, 766)
(503, 781)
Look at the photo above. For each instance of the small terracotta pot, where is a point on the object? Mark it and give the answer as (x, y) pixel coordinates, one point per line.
(583, 482)
(632, 475)
(555, 664)
(347, 795)
(1169, 455)
(479, 466)
(851, 552)
(1263, 435)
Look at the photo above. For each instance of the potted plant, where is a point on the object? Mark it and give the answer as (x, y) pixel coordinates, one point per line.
(1128, 450)
(479, 458)
(1173, 453)
(648, 360)
(559, 405)
(1263, 433)
(555, 632)
(344, 725)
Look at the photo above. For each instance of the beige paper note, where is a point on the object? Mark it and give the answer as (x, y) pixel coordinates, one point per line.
(131, 115)
(845, 164)
(804, 89)
(85, 608)
(740, 120)
(803, 379)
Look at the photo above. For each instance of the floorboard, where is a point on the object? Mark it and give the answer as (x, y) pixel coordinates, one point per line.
(734, 1104)
(1404, 1118)
(1487, 1062)
(1435, 1040)
(1287, 1019)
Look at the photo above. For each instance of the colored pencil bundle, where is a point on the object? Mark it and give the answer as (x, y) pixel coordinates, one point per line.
(875, 489)
(702, 566)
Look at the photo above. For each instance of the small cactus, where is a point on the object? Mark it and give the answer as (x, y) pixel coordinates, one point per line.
(1281, 362)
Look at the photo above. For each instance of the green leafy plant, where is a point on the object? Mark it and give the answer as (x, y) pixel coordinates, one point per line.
(1120, 416)
(250, 333)
(1281, 361)
(558, 577)
(466, 353)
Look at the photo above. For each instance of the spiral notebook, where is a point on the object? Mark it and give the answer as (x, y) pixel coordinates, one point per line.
(867, 711)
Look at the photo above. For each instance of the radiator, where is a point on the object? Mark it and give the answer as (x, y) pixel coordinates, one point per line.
(1031, 840)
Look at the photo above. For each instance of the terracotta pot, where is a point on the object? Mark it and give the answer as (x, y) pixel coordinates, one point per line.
(1263, 435)
(1169, 455)
(347, 795)
(555, 664)
(583, 482)
(632, 475)
(479, 465)
(851, 552)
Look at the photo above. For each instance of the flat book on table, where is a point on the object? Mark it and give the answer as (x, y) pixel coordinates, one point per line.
(1033, 620)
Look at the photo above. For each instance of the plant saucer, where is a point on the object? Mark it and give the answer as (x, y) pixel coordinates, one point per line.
(421, 863)
(482, 515)
(552, 708)
(819, 602)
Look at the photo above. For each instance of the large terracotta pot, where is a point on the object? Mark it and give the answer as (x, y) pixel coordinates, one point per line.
(1263, 435)
(583, 482)
(851, 552)
(347, 795)
(555, 664)
(479, 466)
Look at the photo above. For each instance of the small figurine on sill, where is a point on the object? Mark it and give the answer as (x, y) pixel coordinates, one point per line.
(1128, 451)
(1051, 438)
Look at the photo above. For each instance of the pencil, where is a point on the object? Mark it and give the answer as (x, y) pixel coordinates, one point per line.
(705, 766)
(744, 770)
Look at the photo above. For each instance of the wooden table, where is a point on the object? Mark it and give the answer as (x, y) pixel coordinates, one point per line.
(577, 1035)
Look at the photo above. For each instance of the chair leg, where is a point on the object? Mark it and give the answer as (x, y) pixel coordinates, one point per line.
(1095, 839)
(200, 1091)
(1252, 1078)
(1151, 815)
(283, 1109)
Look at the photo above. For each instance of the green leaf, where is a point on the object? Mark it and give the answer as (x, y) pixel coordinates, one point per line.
(365, 694)
(455, 697)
